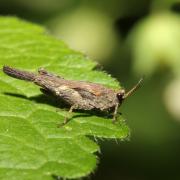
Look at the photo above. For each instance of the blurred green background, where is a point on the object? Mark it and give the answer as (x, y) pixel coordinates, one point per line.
(129, 38)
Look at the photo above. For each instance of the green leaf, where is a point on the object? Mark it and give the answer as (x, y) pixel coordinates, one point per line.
(32, 146)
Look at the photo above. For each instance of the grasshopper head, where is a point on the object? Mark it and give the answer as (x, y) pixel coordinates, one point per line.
(121, 94)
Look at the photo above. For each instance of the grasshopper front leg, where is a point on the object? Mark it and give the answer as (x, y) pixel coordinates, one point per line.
(115, 113)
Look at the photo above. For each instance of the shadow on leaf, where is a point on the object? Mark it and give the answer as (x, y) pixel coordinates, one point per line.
(59, 103)
(42, 99)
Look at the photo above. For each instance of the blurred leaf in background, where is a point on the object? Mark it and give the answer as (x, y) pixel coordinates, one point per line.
(156, 43)
(172, 98)
(87, 30)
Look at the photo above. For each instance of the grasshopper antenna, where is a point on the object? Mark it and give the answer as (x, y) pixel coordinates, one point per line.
(131, 91)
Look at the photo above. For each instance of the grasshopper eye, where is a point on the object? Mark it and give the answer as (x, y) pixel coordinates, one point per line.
(120, 95)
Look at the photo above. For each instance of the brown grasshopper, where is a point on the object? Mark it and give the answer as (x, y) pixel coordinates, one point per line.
(78, 94)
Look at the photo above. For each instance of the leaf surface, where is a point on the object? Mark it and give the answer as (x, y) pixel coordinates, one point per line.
(32, 146)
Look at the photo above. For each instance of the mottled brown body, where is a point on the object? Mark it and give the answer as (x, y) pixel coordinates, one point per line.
(78, 94)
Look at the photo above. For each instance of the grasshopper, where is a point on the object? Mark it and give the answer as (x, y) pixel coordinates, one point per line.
(77, 94)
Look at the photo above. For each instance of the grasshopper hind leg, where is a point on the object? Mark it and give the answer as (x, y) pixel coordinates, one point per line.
(67, 118)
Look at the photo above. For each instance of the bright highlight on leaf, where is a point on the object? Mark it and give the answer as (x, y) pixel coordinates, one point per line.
(31, 144)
